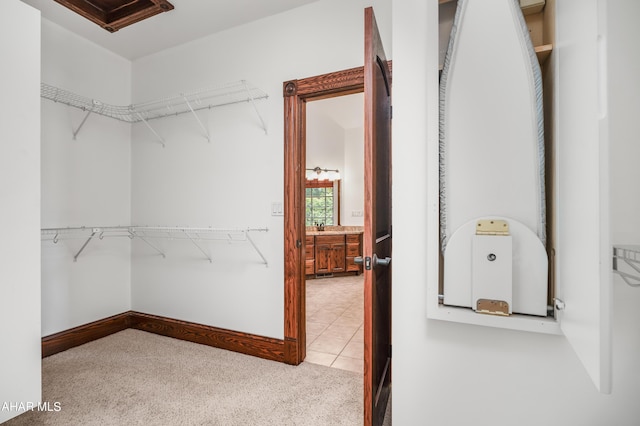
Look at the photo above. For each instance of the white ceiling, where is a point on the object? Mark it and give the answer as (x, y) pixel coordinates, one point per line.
(190, 20)
(346, 111)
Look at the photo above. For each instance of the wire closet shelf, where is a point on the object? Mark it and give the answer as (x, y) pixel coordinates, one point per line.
(228, 94)
(196, 235)
(628, 255)
(189, 102)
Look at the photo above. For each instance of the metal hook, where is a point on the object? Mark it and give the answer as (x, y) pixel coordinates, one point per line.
(101, 236)
(55, 238)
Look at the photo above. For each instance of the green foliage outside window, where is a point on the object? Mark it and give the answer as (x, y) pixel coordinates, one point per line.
(319, 206)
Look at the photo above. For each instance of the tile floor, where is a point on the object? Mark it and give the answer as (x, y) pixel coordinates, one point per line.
(335, 317)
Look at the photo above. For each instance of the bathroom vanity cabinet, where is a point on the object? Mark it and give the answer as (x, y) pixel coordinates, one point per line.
(332, 252)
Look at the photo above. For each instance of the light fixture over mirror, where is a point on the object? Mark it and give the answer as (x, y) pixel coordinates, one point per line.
(318, 173)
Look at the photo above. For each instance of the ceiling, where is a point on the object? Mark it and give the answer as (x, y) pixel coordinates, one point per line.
(190, 20)
(346, 111)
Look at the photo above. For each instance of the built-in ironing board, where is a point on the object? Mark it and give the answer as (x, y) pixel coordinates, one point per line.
(492, 188)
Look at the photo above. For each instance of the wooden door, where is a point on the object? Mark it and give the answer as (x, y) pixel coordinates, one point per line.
(377, 225)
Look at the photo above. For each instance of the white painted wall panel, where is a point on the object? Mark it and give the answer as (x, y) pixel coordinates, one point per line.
(353, 177)
(325, 141)
(85, 182)
(20, 371)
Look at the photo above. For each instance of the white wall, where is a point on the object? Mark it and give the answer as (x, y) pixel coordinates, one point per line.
(325, 146)
(335, 145)
(85, 182)
(624, 97)
(325, 141)
(452, 374)
(20, 213)
(353, 178)
(232, 181)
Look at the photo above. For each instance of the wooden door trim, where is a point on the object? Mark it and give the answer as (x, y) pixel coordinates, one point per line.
(296, 94)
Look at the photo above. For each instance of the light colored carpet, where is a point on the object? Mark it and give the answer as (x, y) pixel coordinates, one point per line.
(138, 378)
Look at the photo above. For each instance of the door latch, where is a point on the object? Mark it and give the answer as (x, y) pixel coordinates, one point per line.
(366, 261)
(369, 263)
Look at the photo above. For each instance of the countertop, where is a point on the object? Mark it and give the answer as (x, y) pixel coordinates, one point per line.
(335, 230)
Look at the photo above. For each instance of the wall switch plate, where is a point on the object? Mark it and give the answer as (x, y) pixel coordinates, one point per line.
(276, 209)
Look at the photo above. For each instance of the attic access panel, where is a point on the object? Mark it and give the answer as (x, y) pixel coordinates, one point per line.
(115, 14)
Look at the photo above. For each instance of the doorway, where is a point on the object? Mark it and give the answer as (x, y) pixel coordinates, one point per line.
(334, 199)
(297, 93)
(374, 79)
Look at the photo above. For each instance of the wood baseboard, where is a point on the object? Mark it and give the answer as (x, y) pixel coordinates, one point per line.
(82, 334)
(249, 344)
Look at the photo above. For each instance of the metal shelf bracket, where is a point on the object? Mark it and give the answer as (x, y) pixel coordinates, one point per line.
(160, 140)
(204, 129)
(75, 132)
(255, 107)
(198, 246)
(94, 231)
(133, 234)
(630, 256)
(257, 249)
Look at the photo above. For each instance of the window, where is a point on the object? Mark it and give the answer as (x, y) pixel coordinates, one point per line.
(321, 202)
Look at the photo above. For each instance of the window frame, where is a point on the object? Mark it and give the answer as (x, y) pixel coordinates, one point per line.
(335, 184)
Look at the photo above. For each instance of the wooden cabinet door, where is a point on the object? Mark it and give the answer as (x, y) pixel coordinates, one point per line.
(323, 257)
(330, 254)
(337, 257)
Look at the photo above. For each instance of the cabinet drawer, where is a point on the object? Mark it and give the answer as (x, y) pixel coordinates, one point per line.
(353, 238)
(309, 240)
(353, 250)
(329, 239)
(309, 251)
(309, 267)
